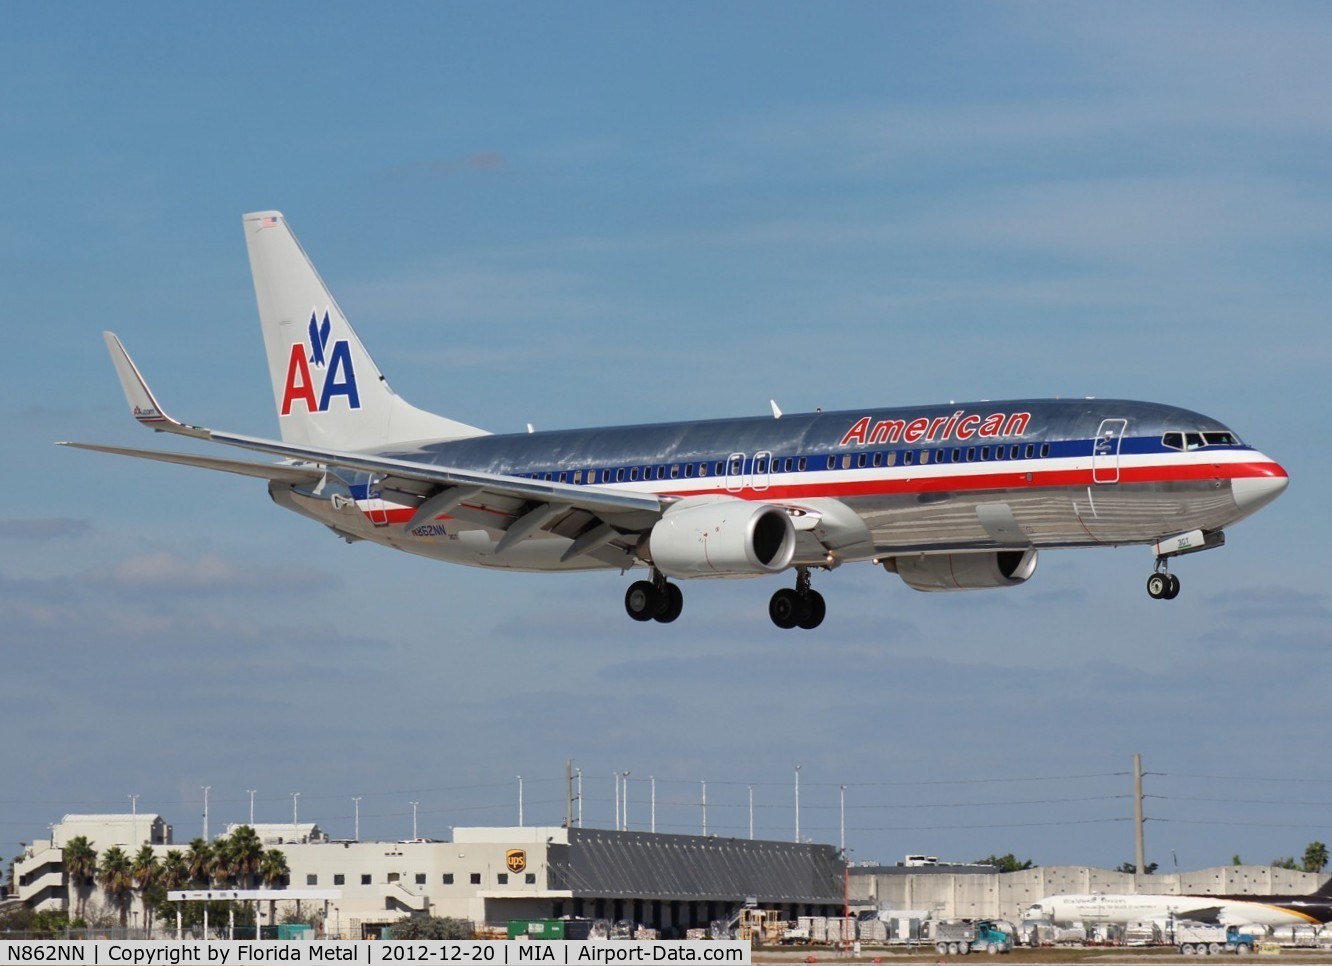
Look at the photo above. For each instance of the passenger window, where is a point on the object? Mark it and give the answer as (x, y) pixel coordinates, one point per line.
(702, 469)
(1045, 450)
(860, 460)
(971, 454)
(761, 465)
(957, 454)
(578, 476)
(689, 470)
(1031, 450)
(633, 474)
(878, 459)
(846, 461)
(619, 475)
(649, 472)
(675, 471)
(802, 463)
(564, 477)
(720, 468)
(985, 453)
(907, 457)
(1013, 451)
(892, 457)
(924, 457)
(998, 452)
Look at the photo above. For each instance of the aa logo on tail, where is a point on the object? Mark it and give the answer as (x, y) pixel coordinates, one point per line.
(333, 363)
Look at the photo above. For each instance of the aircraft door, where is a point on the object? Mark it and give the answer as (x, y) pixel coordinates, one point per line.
(1105, 450)
(735, 472)
(376, 510)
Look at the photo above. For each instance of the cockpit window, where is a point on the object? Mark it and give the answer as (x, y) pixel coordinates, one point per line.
(1192, 441)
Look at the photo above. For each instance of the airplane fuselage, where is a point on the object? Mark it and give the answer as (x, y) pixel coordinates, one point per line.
(993, 476)
(1275, 910)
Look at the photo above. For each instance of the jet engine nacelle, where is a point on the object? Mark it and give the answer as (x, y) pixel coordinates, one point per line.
(964, 571)
(725, 538)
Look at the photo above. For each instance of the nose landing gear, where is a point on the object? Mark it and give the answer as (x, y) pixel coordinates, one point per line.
(657, 599)
(802, 607)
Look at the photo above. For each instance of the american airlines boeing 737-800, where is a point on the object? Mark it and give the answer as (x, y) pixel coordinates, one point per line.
(948, 497)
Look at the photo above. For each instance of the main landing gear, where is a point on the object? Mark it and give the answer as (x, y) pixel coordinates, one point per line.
(801, 607)
(656, 599)
(1162, 585)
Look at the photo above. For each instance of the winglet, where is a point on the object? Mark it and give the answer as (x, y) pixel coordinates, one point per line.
(143, 404)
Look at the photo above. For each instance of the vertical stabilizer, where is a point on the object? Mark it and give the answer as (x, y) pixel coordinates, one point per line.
(328, 390)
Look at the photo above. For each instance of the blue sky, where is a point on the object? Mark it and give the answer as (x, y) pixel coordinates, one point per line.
(595, 213)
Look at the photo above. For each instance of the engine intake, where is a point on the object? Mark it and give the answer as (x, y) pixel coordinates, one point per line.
(964, 571)
(724, 538)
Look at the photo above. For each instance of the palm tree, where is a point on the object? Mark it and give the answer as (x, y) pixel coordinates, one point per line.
(245, 851)
(175, 870)
(1315, 857)
(80, 860)
(145, 873)
(273, 871)
(199, 862)
(115, 877)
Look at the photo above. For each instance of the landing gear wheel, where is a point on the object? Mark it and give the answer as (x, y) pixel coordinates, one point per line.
(669, 604)
(1173, 590)
(784, 608)
(1157, 586)
(812, 612)
(641, 600)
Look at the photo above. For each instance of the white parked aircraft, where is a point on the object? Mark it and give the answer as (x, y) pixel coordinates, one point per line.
(948, 497)
(1273, 910)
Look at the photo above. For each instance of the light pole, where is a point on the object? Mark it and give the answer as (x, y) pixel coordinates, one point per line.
(356, 801)
(251, 791)
(414, 804)
(797, 803)
(616, 776)
(520, 801)
(704, 783)
(295, 796)
(580, 797)
(751, 812)
(841, 842)
(652, 782)
(134, 812)
(205, 828)
(625, 814)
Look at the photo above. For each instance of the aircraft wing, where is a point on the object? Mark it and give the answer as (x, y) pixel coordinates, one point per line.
(592, 516)
(282, 472)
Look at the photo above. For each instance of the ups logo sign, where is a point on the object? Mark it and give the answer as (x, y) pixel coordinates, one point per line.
(516, 860)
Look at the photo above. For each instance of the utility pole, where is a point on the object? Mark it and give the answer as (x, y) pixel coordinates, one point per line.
(625, 809)
(205, 829)
(751, 812)
(568, 793)
(520, 801)
(1137, 813)
(251, 791)
(652, 781)
(356, 801)
(579, 775)
(295, 796)
(134, 811)
(414, 804)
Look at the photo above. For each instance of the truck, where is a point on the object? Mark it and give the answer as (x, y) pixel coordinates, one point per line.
(1204, 939)
(956, 936)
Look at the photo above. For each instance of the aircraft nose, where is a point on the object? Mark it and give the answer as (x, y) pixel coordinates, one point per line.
(1251, 493)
